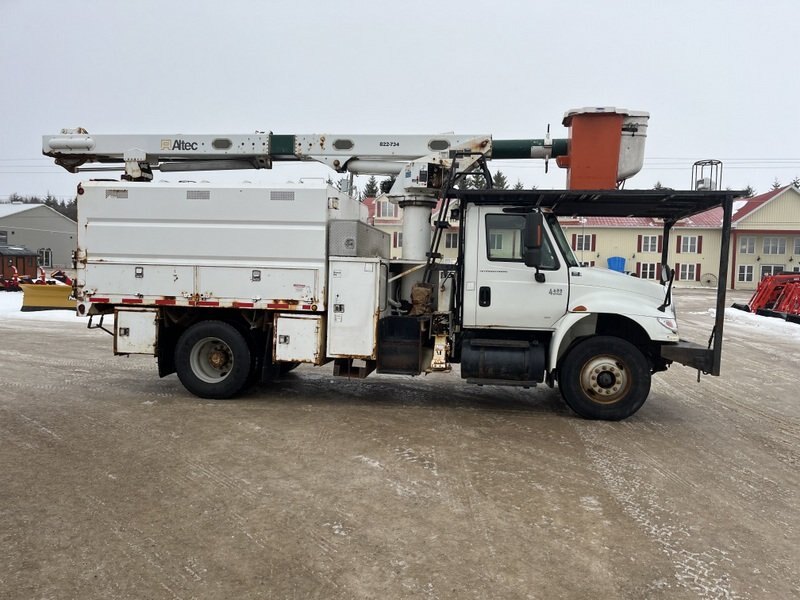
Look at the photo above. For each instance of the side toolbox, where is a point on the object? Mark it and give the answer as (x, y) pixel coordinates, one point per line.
(299, 338)
(135, 331)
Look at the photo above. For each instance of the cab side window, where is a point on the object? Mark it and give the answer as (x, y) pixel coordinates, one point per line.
(504, 241)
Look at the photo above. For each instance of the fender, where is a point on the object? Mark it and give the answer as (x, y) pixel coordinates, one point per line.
(641, 308)
(577, 324)
(566, 329)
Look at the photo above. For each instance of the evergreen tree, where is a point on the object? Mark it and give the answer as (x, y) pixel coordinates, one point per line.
(386, 184)
(519, 185)
(658, 186)
(776, 185)
(499, 181)
(796, 181)
(371, 188)
(477, 181)
(70, 209)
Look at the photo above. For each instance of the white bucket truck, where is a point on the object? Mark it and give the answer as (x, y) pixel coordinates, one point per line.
(229, 285)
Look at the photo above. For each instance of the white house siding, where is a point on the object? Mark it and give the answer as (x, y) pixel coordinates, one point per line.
(778, 219)
(623, 242)
(780, 213)
(40, 227)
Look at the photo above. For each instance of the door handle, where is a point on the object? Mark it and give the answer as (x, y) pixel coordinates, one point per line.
(484, 296)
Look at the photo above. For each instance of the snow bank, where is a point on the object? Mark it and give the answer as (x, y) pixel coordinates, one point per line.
(11, 302)
(765, 326)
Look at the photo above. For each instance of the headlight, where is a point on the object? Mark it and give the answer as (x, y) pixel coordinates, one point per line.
(670, 324)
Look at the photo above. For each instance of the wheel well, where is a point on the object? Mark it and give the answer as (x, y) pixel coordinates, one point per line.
(621, 327)
(255, 326)
(628, 329)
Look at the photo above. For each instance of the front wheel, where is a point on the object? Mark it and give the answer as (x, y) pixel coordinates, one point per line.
(604, 377)
(212, 360)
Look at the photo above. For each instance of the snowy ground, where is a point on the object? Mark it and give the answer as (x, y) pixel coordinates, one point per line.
(117, 484)
(763, 326)
(11, 302)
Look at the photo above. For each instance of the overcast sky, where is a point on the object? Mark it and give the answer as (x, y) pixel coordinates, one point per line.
(719, 79)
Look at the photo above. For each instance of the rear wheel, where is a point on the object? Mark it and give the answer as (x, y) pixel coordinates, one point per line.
(604, 377)
(212, 360)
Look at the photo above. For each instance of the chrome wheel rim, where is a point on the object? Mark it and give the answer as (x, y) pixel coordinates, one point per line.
(605, 379)
(211, 360)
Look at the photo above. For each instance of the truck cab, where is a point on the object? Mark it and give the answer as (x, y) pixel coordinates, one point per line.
(532, 314)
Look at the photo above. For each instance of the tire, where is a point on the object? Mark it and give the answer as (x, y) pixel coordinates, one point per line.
(605, 378)
(213, 360)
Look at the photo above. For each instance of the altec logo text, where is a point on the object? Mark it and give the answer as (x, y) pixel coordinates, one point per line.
(167, 144)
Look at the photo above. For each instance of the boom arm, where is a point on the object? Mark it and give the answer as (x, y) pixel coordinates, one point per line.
(358, 154)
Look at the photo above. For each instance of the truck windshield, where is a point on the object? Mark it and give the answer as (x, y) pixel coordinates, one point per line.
(561, 239)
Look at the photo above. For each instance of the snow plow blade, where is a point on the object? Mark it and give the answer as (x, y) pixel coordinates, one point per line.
(46, 297)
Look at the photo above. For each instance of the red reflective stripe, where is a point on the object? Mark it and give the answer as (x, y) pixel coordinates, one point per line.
(132, 301)
(306, 307)
(206, 303)
(99, 300)
(165, 302)
(277, 306)
(243, 305)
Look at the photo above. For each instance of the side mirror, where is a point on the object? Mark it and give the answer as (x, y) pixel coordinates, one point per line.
(534, 230)
(532, 257)
(533, 239)
(666, 273)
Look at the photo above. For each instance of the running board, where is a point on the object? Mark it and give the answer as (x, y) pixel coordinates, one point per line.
(524, 384)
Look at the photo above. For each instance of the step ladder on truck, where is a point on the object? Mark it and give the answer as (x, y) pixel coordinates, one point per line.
(229, 285)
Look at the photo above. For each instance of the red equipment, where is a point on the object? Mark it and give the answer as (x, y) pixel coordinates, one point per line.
(776, 296)
(789, 300)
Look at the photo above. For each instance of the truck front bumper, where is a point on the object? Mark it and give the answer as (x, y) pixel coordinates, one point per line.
(690, 354)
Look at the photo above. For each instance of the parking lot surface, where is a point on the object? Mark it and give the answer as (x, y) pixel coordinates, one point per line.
(116, 484)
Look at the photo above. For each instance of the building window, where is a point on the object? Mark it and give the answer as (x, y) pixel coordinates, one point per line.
(687, 272)
(747, 245)
(385, 210)
(45, 257)
(397, 239)
(770, 270)
(648, 270)
(774, 245)
(587, 263)
(688, 244)
(796, 244)
(745, 273)
(495, 241)
(649, 243)
(451, 240)
(3, 238)
(584, 242)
